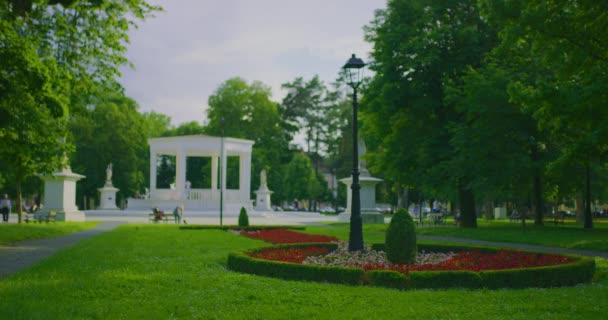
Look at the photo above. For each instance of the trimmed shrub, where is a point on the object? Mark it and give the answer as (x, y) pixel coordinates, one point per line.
(386, 278)
(401, 239)
(568, 274)
(444, 279)
(243, 218)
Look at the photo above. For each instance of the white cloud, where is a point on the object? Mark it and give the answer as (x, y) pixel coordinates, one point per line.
(185, 53)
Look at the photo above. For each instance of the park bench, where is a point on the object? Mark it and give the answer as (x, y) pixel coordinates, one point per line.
(40, 217)
(158, 215)
(515, 216)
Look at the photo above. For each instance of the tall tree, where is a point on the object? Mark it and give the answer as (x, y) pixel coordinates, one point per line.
(418, 48)
(249, 113)
(33, 113)
(112, 130)
(567, 40)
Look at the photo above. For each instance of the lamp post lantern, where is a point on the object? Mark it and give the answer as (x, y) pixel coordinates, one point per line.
(354, 70)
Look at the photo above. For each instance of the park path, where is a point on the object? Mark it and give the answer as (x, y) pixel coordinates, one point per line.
(522, 246)
(24, 254)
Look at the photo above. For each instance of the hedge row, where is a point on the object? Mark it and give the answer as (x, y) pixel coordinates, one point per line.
(291, 271)
(236, 227)
(579, 271)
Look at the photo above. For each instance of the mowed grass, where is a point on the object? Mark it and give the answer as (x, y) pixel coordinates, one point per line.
(27, 231)
(570, 235)
(161, 272)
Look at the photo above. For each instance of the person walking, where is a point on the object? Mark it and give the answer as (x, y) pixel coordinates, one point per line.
(5, 207)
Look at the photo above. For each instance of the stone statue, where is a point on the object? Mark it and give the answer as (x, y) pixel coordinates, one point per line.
(109, 175)
(263, 177)
(362, 163)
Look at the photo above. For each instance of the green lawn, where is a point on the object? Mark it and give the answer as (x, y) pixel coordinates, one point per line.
(27, 231)
(570, 235)
(161, 272)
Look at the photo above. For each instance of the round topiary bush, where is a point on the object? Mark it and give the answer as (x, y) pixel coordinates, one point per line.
(401, 239)
(243, 218)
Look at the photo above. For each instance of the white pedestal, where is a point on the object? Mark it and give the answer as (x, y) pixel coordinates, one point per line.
(500, 213)
(107, 198)
(60, 195)
(262, 200)
(367, 193)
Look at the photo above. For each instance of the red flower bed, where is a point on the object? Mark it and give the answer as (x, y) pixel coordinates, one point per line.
(294, 255)
(464, 260)
(286, 236)
(478, 261)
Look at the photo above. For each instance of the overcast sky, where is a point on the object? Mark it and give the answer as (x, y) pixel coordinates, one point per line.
(183, 54)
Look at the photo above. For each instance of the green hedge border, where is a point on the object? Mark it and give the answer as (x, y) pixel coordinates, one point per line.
(577, 272)
(236, 227)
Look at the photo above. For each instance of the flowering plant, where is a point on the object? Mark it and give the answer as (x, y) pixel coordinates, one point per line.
(425, 261)
(286, 236)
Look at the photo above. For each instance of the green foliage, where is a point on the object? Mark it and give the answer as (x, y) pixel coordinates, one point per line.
(110, 130)
(33, 109)
(243, 218)
(157, 124)
(299, 180)
(401, 239)
(419, 49)
(249, 113)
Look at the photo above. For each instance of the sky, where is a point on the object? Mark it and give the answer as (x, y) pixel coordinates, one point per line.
(183, 54)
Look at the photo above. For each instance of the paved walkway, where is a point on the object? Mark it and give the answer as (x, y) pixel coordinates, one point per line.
(24, 254)
(522, 246)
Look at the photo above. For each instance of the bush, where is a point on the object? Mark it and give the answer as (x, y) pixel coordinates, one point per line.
(444, 279)
(401, 239)
(243, 218)
(568, 274)
(386, 278)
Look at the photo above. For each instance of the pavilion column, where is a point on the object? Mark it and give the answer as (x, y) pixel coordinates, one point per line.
(214, 160)
(245, 173)
(180, 174)
(152, 171)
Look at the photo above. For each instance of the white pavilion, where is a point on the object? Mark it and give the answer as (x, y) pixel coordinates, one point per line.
(191, 194)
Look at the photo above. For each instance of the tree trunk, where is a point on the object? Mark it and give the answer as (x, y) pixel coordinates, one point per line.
(538, 201)
(538, 196)
(489, 208)
(468, 217)
(580, 207)
(402, 198)
(19, 200)
(588, 218)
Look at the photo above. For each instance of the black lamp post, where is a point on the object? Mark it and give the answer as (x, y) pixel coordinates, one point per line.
(354, 70)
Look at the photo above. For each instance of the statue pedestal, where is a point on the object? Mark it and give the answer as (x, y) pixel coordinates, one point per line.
(367, 194)
(60, 195)
(262, 200)
(107, 198)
